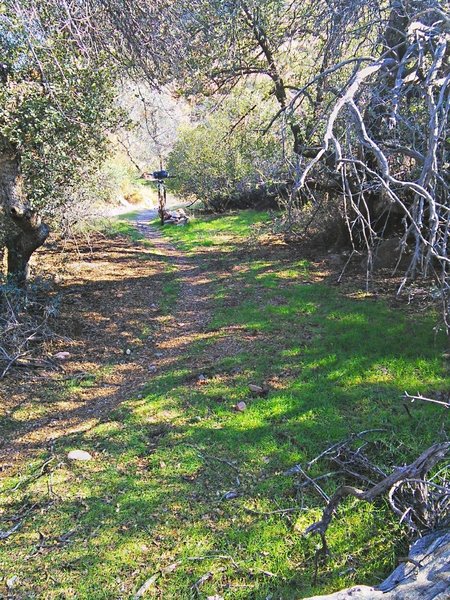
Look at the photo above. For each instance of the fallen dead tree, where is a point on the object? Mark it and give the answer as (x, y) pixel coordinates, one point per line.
(422, 575)
(385, 143)
(419, 493)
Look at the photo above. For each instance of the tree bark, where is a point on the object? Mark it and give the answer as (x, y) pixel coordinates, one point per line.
(273, 72)
(25, 231)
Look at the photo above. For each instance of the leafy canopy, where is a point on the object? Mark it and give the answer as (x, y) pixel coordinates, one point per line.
(56, 103)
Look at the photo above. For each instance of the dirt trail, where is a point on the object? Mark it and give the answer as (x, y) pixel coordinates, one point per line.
(192, 306)
(111, 291)
(191, 311)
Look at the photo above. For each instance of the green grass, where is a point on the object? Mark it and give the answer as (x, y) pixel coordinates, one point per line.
(152, 502)
(123, 226)
(222, 233)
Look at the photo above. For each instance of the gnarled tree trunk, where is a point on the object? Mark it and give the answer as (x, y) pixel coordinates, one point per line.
(25, 231)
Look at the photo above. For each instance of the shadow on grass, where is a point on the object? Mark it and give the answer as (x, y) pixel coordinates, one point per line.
(154, 499)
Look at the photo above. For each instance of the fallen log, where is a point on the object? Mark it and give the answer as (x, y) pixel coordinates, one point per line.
(423, 575)
(175, 217)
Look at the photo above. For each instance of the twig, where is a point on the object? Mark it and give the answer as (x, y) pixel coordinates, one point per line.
(4, 535)
(207, 457)
(445, 491)
(32, 363)
(146, 586)
(280, 511)
(233, 562)
(213, 557)
(222, 460)
(42, 471)
(420, 397)
(314, 483)
(58, 542)
(324, 476)
(9, 365)
(203, 579)
(353, 437)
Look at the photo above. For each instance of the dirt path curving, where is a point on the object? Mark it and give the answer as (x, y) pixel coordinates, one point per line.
(117, 333)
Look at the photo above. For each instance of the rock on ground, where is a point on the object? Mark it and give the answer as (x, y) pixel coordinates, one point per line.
(426, 577)
(79, 455)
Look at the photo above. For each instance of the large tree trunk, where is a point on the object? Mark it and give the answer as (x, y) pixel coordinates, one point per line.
(25, 231)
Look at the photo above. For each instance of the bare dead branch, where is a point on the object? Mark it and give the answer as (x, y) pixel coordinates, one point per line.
(416, 470)
(424, 399)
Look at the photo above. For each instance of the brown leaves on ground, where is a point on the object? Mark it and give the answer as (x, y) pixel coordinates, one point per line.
(109, 293)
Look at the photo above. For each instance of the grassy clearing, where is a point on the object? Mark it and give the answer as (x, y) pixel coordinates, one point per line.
(222, 234)
(156, 500)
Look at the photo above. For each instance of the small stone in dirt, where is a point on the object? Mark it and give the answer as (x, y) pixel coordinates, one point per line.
(128, 351)
(159, 354)
(240, 406)
(152, 368)
(62, 356)
(256, 389)
(230, 495)
(79, 455)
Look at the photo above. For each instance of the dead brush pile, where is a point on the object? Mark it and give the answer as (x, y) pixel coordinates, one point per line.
(26, 325)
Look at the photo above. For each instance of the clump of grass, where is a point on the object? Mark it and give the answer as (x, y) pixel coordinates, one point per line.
(121, 226)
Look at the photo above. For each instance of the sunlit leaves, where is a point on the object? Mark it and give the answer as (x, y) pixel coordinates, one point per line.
(56, 105)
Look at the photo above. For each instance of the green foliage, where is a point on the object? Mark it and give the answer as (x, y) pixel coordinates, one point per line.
(56, 107)
(120, 181)
(216, 234)
(224, 156)
(222, 48)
